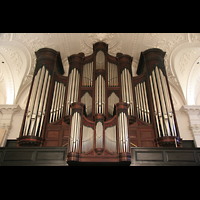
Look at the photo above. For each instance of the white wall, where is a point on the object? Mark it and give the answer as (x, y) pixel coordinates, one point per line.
(16, 125)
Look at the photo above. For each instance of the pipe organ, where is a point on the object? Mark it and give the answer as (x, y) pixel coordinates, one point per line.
(99, 111)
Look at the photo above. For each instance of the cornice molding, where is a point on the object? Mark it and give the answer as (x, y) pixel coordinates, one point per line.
(7, 111)
(191, 109)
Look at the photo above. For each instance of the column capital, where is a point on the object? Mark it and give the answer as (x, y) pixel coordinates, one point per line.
(191, 109)
(6, 120)
(7, 111)
(193, 112)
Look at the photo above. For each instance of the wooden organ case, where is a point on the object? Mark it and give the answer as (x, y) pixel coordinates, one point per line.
(99, 111)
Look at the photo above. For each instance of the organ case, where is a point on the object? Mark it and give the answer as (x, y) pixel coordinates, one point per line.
(100, 110)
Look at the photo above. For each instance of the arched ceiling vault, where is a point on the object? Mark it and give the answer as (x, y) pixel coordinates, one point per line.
(182, 52)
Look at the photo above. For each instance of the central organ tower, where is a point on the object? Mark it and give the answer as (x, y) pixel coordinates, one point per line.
(99, 111)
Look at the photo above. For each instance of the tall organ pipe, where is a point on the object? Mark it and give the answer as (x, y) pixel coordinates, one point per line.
(100, 94)
(126, 82)
(48, 63)
(73, 88)
(122, 125)
(77, 110)
(75, 63)
(152, 64)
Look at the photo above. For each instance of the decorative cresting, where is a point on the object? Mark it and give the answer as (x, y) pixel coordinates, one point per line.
(152, 74)
(46, 75)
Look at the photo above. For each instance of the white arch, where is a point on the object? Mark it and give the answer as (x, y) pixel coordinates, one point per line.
(8, 80)
(186, 54)
(18, 62)
(192, 80)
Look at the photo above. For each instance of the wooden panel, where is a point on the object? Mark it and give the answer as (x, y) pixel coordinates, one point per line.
(57, 135)
(142, 135)
(33, 156)
(180, 157)
(52, 143)
(18, 156)
(163, 156)
(66, 133)
(132, 141)
(133, 133)
(147, 143)
(149, 156)
(52, 134)
(65, 142)
(146, 134)
(49, 155)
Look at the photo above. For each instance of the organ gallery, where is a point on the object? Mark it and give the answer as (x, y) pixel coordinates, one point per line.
(99, 111)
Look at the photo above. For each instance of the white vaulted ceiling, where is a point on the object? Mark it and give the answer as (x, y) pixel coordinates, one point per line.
(182, 60)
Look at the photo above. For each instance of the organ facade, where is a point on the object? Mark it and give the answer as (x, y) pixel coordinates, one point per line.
(100, 110)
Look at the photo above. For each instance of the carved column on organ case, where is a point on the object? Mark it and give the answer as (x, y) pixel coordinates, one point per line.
(36, 115)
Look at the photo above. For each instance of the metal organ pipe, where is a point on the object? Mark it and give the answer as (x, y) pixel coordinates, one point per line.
(75, 127)
(57, 102)
(112, 75)
(75, 132)
(162, 106)
(31, 104)
(37, 106)
(123, 133)
(142, 102)
(100, 94)
(41, 104)
(146, 101)
(73, 89)
(127, 91)
(99, 134)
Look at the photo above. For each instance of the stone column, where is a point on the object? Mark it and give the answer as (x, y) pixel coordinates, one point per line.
(193, 112)
(6, 121)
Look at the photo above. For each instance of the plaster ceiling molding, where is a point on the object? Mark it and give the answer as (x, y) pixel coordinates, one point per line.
(2, 88)
(184, 59)
(197, 90)
(6, 36)
(15, 58)
(114, 41)
(194, 37)
(193, 82)
(153, 35)
(168, 42)
(181, 60)
(8, 80)
(65, 38)
(18, 60)
(33, 42)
